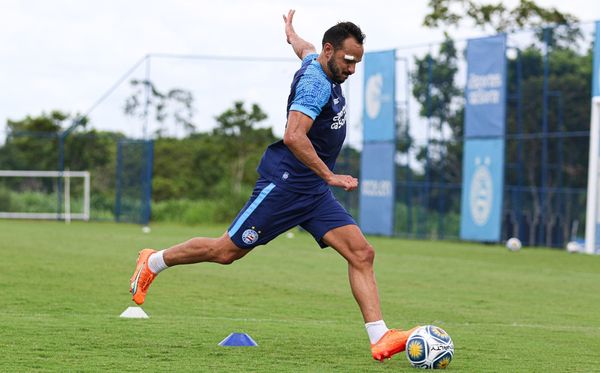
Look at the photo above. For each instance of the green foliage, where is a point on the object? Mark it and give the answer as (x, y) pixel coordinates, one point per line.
(11, 201)
(348, 163)
(201, 211)
(5, 203)
(220, 165)
(91, 149)
(217, 166)
(32, 143)
(102, 206)
(243, 143)
(527, 14)
(569, 110)
(184, 211)
(434, 87)
(427, 223)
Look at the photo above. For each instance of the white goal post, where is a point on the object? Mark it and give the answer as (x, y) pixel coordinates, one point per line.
(66, 215)
(592, 214)
(592, 218)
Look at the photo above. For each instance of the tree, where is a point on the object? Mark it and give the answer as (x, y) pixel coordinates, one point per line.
(527, 14)
(217, 165)
(176, 105)
(31, 143)
(243, 143)
(192, 168)
(434, 87)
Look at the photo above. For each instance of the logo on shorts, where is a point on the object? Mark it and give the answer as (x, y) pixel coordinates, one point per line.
(249, 236)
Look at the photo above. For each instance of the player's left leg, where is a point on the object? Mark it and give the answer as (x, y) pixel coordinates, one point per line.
(349, 241)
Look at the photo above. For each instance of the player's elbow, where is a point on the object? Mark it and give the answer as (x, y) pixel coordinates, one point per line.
(291, 139)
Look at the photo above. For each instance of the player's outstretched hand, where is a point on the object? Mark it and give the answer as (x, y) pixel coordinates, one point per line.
(347, 182)
(289, 29)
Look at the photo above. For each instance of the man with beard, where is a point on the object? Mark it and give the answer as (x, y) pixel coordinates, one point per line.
(293, 188)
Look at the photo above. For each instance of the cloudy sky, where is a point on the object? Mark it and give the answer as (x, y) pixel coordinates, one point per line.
(66, 54)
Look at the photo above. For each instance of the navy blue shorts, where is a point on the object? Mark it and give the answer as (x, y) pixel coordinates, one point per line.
(272, 210)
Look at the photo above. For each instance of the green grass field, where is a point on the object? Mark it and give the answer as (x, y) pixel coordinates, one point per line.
(62, 288)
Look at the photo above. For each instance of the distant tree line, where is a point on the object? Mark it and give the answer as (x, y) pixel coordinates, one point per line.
(215, 165)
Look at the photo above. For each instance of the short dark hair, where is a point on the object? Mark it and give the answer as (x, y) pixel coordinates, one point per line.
(342, 31)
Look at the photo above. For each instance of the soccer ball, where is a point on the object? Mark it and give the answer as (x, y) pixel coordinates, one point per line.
(429, 347)
(513, 244)
(573, 247)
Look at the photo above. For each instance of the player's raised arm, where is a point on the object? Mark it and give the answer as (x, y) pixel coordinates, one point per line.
(301, 47)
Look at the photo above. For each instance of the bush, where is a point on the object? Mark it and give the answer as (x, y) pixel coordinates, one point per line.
(185, 211)
(4, 199)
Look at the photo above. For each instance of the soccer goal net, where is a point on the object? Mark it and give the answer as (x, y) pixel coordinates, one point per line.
(63, 195)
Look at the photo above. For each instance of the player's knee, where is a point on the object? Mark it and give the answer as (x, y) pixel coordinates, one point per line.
(227, 257)
(364, 255)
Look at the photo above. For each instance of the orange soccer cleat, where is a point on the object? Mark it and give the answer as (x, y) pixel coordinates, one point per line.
(142, 277)
(392, 342)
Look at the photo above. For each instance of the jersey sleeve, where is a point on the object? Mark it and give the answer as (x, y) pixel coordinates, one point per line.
(312, 93)
(308, 58)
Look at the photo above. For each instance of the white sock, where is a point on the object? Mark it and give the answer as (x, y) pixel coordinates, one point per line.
(376, 330)
(156, 262)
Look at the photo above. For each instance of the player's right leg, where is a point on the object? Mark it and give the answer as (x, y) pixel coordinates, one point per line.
(196, 250)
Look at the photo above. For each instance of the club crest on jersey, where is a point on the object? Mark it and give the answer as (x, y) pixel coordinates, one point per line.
(249, 236)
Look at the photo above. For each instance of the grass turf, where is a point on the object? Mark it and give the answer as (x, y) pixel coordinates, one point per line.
(62, 288)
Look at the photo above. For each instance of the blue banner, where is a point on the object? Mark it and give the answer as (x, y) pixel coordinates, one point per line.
(596, 73)
(485, 92)
(377, 188)
(483, 180)
(379, 97)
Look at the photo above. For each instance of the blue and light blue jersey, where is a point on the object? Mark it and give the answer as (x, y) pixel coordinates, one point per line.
(315, 95)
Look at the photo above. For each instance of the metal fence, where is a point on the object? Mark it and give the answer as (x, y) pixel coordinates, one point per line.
(547, 138)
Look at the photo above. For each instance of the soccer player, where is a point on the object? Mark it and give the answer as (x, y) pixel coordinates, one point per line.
(293, 188)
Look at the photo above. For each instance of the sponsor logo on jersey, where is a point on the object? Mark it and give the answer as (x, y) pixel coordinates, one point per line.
(339, 120)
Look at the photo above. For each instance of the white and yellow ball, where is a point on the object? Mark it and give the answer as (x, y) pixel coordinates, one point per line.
(514, 244)
(429, 347)
(573, 247)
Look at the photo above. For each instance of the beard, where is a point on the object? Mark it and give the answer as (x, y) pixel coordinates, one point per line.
(336, 73)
